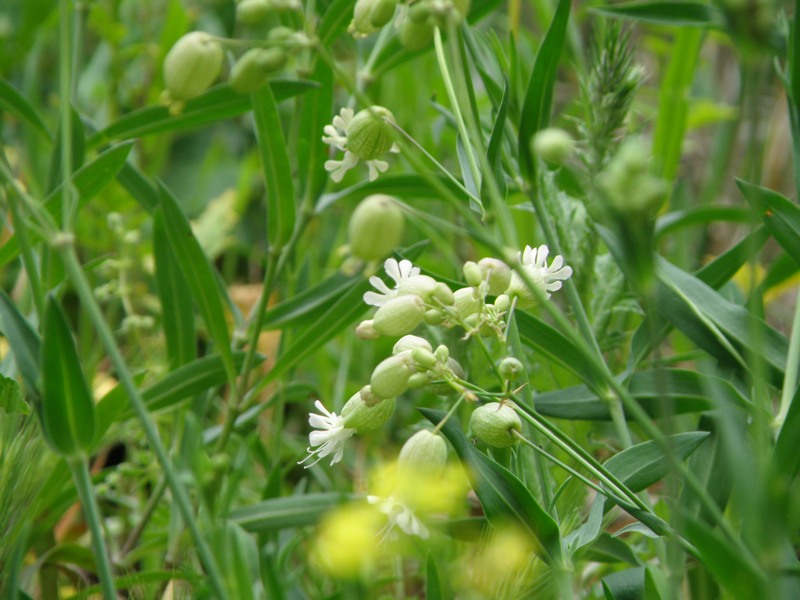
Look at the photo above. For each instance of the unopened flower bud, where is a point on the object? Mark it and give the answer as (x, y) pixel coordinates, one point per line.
(251, 72)
(252, 12)
(390, 377)
(443, 293)
(472, 273)
(434, 316)
(465, 302)
(496, 273)
(554, 145)
(361, 25)
(382, 12)
(442, 353)
(192, 65)
(423, 358)
(420, 11)
(366, 330)
(424, 451)
(364, 418)
(502, 303)
(510, 368)
(418, 380)
(376, 227)
(369, 136)
(416, 35)
(628, 184)
(409, 342)
(399, 316)
(495, 423)
(281, 34)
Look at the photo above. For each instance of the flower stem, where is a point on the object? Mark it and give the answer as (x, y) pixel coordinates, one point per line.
(84, 291)
(83, 483)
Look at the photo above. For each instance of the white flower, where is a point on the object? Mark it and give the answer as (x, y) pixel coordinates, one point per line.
(336, 137)
(547, 278)
(399, 516)
(399, 272)
(330, 438)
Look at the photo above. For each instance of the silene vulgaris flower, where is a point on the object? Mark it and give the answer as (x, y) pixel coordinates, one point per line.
(399, 516)
(547, 278)
(400, 272)
(366, 136)
(329, 438)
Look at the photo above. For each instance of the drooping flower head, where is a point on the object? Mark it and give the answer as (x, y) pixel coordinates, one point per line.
(365, 136)
(548, 279)
(329, 438)
(399, 272)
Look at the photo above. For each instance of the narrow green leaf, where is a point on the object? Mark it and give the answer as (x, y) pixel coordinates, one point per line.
(433, 583)
(281, 208)
(502, 495)
(727, 564)
(188, 380)
(624, 585)
(679, 14)
(218, 104)
(139, 186)
(640, 466)
(673, 103)
(715, 274)
(309, 303)
(786, 458)
(494, 149)
(23, 340)
(291, 511)
(661, 393)
(690, 305)
(77, 148)
(177, 315)
(606, 548)
(67, 406)
(541, 336)
(701, 215)
(339, 315)
(317, 112)
(539, 95)
(781, 217)
(199, 276)
(12, 101)
(335, 21)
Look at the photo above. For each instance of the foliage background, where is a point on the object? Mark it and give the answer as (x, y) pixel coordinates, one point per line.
(709, 345)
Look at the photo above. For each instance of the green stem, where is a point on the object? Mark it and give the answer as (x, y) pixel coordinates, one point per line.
(149, 509)
(84, 292)
(454, 106)
(65, 92)
(791, 372)
(28, 258)
(599, 489)
(83, 483)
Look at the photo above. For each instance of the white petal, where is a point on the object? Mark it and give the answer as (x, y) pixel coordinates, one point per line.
(374, 299)
(393, 269)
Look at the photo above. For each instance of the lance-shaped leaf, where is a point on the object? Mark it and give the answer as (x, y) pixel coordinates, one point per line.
(197, 271)
(781, 217)
(281, 210)
(67, 407)
(539, 95)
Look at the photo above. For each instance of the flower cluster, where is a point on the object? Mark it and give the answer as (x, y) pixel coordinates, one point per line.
(415, 20)
(417, 298)
(409, 299)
